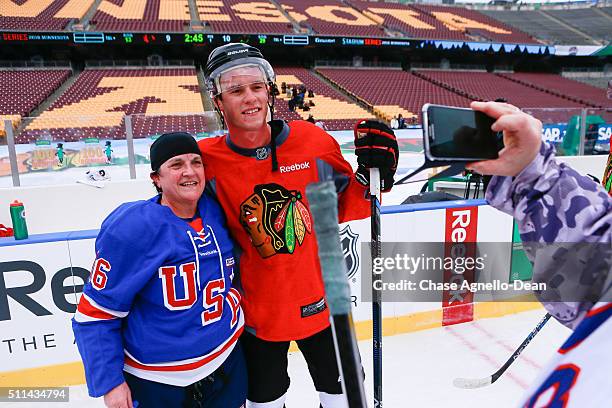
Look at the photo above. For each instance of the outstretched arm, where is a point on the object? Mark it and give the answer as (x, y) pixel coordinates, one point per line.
(565, 219)
(550, 201)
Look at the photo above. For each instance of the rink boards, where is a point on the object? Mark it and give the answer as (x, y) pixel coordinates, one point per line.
(41, 280)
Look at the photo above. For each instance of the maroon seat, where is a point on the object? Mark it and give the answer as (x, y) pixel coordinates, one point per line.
(23, 90)
(329, 103)
(339, 19)
(150, 21)
(509, 34)
(395, 14)
(245, 17)
(488, 87)
(86, 88)
(393, 87)
(44, 21)
(564, 87)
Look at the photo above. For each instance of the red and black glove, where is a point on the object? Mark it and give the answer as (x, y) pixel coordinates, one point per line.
(375, 147)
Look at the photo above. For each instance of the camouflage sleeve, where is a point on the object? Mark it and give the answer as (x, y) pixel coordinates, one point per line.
(551, 202)
(565, 222)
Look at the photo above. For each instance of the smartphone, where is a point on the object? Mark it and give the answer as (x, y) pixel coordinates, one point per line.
(459, 134)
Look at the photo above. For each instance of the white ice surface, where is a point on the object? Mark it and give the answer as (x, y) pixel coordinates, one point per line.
(419, 367)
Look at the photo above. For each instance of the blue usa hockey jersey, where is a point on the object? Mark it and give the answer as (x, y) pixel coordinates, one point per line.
(159, 303)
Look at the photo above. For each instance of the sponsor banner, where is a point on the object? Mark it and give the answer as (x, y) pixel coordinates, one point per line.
(460, 235)
(40, 283)
(59, 156)
(582, 50)
(39, 288)
(555, 133)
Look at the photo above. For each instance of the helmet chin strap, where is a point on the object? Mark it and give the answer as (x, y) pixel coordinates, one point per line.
(271, 99)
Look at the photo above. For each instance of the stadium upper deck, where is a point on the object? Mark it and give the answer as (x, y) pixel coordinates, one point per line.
(95, 102)
(325, 17)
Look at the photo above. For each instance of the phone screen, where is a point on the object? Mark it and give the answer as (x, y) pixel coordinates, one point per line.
(456, 133)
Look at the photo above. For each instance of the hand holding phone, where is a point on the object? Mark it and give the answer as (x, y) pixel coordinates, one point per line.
(459, 134)
(522, 138)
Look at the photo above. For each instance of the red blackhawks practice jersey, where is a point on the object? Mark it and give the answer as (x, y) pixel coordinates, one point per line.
(268, 216)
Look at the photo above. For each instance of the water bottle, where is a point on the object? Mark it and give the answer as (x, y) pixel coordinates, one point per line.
(20, 229)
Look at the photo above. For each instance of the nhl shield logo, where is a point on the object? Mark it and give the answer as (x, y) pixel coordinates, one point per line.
(348, 240)
(261, 153)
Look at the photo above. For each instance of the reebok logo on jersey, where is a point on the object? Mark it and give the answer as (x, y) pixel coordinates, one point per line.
(295, 167)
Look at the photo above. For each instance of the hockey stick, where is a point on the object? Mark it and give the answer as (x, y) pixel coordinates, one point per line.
(323, 202)
(376, 294)
(483, 382)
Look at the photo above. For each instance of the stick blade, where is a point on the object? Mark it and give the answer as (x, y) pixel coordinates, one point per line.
(471, 383)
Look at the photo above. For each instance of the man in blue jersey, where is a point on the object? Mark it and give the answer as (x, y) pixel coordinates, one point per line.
(565, 221)
(159, 321)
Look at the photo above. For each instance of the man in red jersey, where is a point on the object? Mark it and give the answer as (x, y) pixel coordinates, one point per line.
(259, 172)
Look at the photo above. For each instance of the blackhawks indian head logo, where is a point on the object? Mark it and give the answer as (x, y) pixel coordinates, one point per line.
(276, 219)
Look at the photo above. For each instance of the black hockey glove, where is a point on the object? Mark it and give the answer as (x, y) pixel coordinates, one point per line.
(375, 147)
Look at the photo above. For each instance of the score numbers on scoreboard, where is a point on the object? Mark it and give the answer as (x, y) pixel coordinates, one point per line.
(218, 39)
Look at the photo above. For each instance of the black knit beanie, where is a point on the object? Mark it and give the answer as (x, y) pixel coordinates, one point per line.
(170, 145)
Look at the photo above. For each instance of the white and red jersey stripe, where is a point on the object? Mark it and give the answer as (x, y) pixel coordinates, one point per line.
(90, 311)
(185, 372)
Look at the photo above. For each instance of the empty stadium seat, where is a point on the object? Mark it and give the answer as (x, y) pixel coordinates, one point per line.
(142, 15)
(392, 91)
(586, 94)
(332, 17)
(539, 25)
(22, 90)
(95, 105)
(330, 106)
(473, 22)
(408, 20)
(243, 16)
(50, 15)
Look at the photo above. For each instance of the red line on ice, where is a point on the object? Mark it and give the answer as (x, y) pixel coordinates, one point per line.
(503, 344)
(485, 356)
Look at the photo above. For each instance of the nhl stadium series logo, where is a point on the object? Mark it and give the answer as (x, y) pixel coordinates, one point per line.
(348, 240)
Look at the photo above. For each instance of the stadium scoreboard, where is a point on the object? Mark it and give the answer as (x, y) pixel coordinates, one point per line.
(87, 37)
(216, 39)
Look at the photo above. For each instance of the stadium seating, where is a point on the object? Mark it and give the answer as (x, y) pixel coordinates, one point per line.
(488, 87)
(95, 105)
(475, 23)
(330, 106)
(584, 94)
(391, 92)
(587, 20)
(332, 17)
(142, 15)
(598, 82)
(240, 16)
(47, 15)
(411, 22)
(537, 24)
(23, 90)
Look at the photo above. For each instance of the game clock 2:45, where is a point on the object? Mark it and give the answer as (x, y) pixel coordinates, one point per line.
(197, 38)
